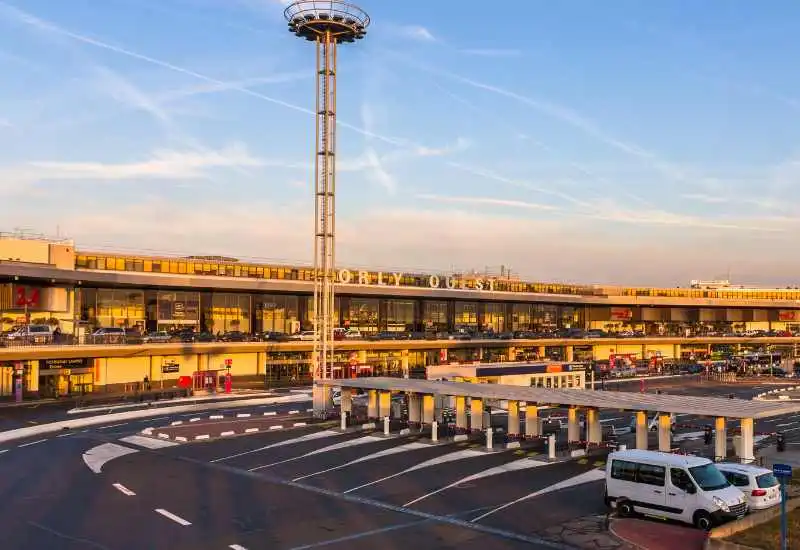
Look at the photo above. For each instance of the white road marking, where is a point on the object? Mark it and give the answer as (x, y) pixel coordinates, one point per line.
(181, 438)
(450, 457)
(195, 419)
(294, 412)
(176, 423)
(163, 436)
(250, 430)
(124, 490)
(157, 419)
(522, 464)
(177, 519)
(302, 438)
(336, 446)
(759, 438)
(3, 451)
(243, 415)
(32, 443)
(148, 431)
(299, 424)
(271, 413)
(586, 477)
(394, 450)
(309, 410)
(226, 434)
(784, 425)
(278, 427)
(204, 436)
(611, 419)
(236, 547)
(113, 426)
(216, 417)
(96, 457)
(147, 442)
(67, 434)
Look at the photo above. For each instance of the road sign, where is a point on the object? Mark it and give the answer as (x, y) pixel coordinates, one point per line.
(782, 470)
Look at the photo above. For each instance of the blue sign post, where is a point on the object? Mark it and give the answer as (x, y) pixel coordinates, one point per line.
(783, 472)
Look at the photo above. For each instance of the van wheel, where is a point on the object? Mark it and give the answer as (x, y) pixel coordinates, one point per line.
(624, 509)
(702, 520)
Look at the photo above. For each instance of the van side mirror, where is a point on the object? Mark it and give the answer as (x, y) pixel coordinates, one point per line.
(691, 489)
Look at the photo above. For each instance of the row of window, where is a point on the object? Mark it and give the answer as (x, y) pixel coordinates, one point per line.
(231, 268)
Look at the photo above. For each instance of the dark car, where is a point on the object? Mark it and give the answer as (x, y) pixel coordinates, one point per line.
(234, 336)
(272, 336)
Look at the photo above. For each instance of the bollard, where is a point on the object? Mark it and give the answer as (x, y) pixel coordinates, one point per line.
(385, 425)
(434, 431)
(551, 447)
(489, 442)
(344, 420)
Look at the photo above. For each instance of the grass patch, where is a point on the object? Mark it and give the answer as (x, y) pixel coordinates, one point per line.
(767, 536)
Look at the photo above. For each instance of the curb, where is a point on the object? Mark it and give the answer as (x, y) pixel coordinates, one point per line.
(168, 402)
(152, 432)
(32, 431)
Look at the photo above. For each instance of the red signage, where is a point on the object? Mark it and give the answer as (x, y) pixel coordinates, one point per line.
(228, 362)
(621, 314)
(26, 296)
(788, 315)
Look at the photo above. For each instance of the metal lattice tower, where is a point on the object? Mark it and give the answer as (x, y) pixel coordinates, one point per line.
(327, 23)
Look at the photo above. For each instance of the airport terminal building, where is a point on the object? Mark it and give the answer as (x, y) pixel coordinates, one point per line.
(446, 319)
(50, 279)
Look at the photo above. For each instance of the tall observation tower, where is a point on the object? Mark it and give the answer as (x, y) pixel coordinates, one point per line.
(327, 23)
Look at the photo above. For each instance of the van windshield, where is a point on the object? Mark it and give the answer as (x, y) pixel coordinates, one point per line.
(708, 477)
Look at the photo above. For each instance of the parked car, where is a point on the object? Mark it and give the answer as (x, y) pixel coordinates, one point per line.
(31, 334)
(758, 484)
(108, 335)
(159, 337)
(303, 336)
(235, 336)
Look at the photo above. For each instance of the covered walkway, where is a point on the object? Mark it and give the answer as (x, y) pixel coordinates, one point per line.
(422, 398)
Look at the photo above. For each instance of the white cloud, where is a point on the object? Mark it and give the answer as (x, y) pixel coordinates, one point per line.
(418, 32)
(487, 201)
(573, 249)
(162, 164)
(47, 26)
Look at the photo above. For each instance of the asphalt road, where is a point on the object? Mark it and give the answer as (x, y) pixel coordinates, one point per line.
(304, 487)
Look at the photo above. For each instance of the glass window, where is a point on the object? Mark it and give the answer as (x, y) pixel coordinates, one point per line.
(494, 317)
(363, 314)
(651, 475)
(623, 470)
(466, 315)
(680, 479)
(522, 317)
(708, 477)
(434, 315)
(399, 315)
(737, 480)
(765, 481)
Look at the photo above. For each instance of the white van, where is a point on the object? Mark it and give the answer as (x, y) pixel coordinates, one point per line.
(684, 488)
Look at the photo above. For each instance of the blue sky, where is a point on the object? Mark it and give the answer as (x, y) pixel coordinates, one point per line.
(614, 142)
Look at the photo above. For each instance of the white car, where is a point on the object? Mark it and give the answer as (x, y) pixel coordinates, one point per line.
(759, 485)
(304, 336)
